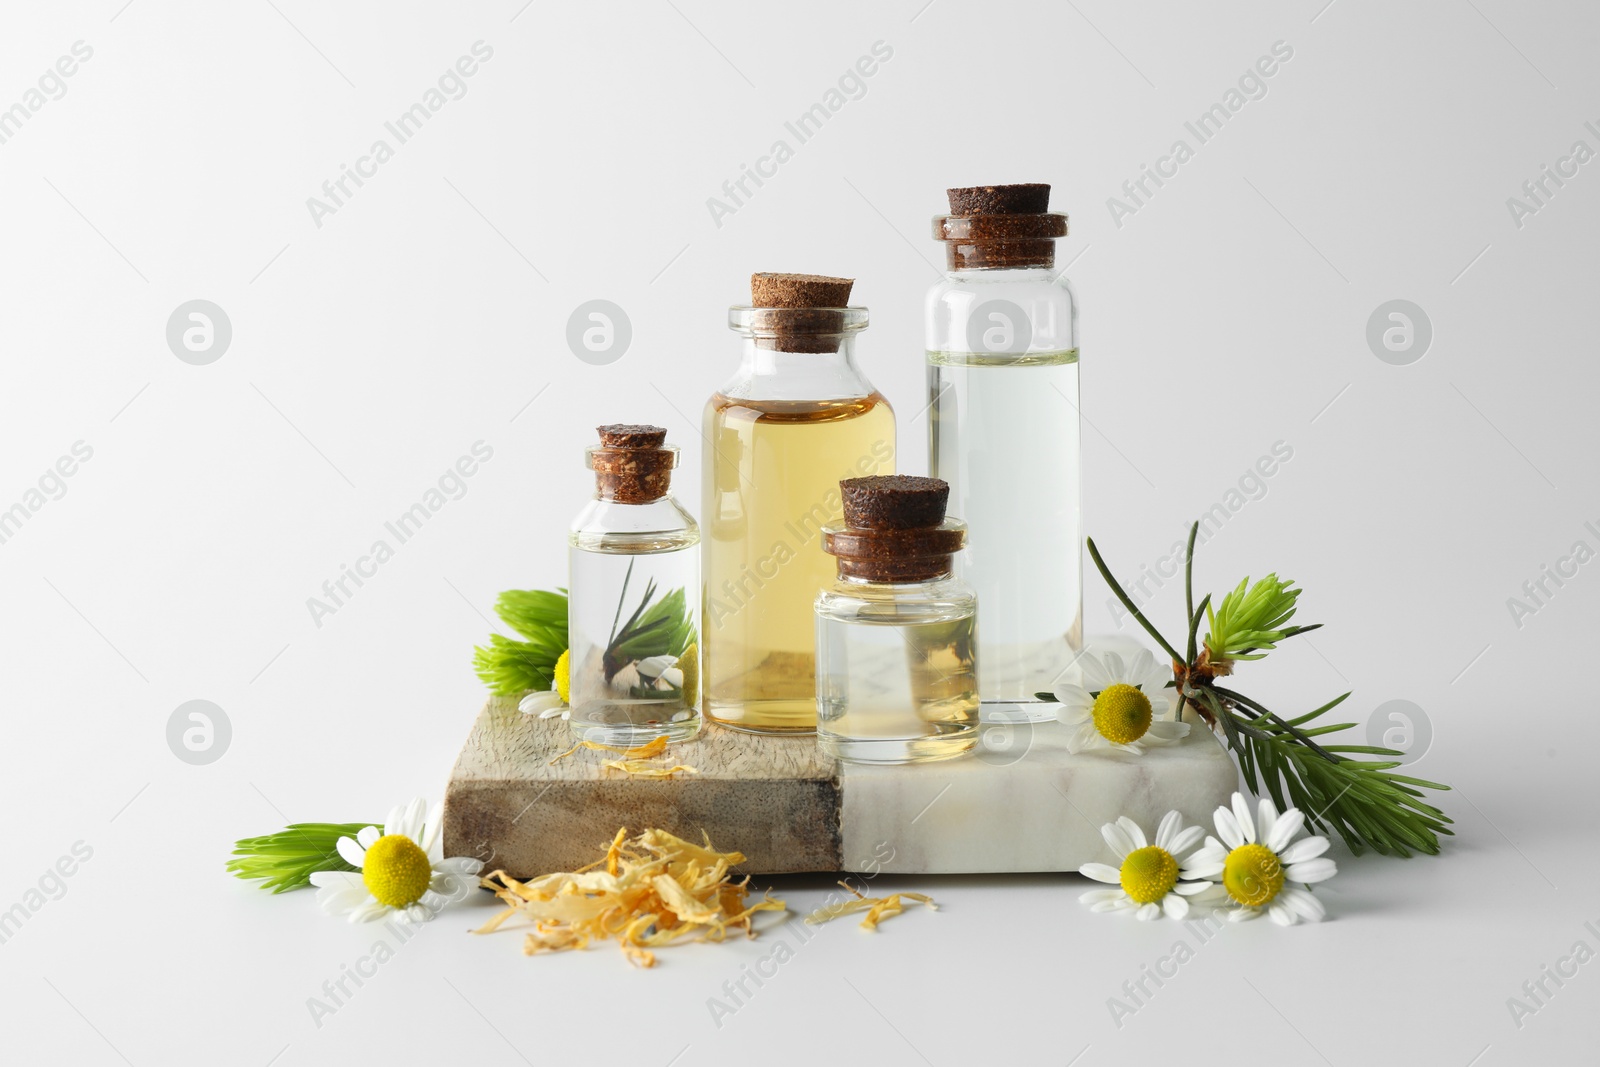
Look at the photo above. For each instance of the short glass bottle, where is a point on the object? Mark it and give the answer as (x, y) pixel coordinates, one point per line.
(897, 652)
(633, 606)
(1002, 352)
(796, 417)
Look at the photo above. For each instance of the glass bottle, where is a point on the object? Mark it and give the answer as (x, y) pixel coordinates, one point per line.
(633, 612)
(897, 653)
(796, 418)
(1002, 350)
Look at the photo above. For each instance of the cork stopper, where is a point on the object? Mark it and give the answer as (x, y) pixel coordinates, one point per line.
(799, 312)
(894, 529)
(633, 463)
(894, 502)
(1000, 226)
(799, 291)
(1030, 198)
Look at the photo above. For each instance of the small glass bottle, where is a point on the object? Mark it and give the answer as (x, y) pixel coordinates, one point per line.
(796, 418)
(1004, 432)
(897, 652)
(633, 610)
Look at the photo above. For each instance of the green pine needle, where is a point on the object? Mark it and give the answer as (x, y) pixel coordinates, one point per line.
(285, 860)
(1363, 799)
(1252, 619)
(508, 666)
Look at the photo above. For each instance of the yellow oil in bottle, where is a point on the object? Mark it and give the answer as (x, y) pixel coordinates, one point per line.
(772, 473)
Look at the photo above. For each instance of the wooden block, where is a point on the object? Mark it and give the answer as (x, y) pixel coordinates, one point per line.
(1021, 803)
(776, 799)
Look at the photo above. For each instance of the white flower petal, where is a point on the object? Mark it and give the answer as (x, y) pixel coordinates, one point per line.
(1174, 906)
(1147, 912)
(1170, 824)
(1072, 694)
(1117, 838)
(1241, 812)
(1304, 849)
(1094, 673)
(430, 839)
(416, 812)
(1266, 819)
(1116, 672)
(1165, 732)
(1185, 839)
(1097, 896)
(1317, 870)
(1100, 872)
(1280, 914)
(1121, 903)
(1243, 915)
(351, 852)
(1134, 832)
(1085, 739)
(1283, 830)
(1303, 904)
(1140, 666)
(368, 835)
(368, 912)
(1191, 889)
(1073, 714)
(1228, 828)
(539, 702)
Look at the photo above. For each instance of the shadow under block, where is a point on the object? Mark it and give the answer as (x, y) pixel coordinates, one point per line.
(1020, 803)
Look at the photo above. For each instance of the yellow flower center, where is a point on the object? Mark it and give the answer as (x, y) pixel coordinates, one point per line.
(563, 674)
(1121, 713)
(1252, 874)
(396, 871)
(1148, 874)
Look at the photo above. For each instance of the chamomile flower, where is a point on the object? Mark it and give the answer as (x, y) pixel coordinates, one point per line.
(1258, 859)
(548, 703)
(1114, 707)
(401, 871)
(1148, 876)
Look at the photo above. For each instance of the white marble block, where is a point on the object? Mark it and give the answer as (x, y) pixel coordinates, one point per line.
(1022, 803)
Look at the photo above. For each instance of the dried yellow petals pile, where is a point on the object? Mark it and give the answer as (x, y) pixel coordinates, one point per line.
(650, 890)
(877, 908)
(645, 751)
(634, 761)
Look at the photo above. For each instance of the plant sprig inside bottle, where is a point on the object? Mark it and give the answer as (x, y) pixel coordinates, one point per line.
(657, 641)
(1369, 804)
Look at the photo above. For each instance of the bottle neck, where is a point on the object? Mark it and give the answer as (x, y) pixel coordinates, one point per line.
(774, 373)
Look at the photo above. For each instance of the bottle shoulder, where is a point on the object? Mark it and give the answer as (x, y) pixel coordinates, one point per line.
(940, 599)
(661, 525)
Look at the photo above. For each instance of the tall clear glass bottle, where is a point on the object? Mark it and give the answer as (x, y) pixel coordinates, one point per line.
(633, 610)
(897, 655)
(796, 417)
(1002, 350)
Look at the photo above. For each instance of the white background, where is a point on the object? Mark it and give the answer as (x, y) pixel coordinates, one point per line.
(1228, 313)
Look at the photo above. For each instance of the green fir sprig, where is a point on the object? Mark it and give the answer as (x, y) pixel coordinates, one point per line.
(1363, 799)
(286, 860)
(508, 666)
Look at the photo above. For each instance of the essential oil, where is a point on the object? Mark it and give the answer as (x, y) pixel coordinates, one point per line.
(796, 418)
(1004, 432)
(633, 614)
(897, 673)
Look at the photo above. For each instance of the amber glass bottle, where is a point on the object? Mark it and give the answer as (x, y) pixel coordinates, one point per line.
(797, 417)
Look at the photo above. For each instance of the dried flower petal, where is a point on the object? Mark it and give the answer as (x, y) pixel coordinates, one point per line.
(647, 891)
(877, 908)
